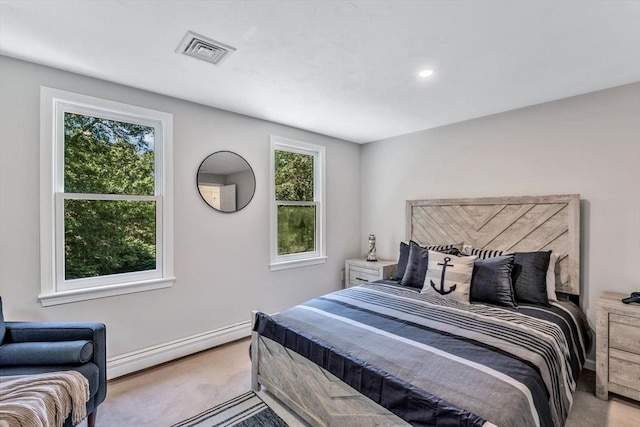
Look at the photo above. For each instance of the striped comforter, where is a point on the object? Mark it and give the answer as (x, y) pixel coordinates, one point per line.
(438, 362)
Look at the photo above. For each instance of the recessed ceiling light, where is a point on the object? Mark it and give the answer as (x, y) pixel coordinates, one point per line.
(425, 73)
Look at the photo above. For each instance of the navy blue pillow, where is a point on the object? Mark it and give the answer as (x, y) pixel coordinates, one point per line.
(529, 277)
(2, 327)
(417, 265)
(491, 281)
(402, 260)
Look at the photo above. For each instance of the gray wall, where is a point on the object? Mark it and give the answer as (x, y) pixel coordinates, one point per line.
(221, 260)
(587, 144)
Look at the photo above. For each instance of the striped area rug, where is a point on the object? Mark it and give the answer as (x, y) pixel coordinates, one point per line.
(246, 410)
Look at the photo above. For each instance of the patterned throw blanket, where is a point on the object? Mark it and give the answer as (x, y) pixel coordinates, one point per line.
(437, 362)
(43, 400)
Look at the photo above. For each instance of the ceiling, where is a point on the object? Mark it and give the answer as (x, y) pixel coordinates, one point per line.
(347, 69)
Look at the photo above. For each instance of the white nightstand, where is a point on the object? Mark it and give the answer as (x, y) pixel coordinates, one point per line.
(358, 271)
(617, 347)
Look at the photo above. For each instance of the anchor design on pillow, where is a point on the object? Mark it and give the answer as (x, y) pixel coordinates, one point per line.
(442, 291)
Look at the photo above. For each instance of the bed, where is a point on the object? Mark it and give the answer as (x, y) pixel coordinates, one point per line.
(385, 353)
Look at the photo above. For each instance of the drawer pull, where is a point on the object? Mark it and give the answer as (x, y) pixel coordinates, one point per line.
(362, 280)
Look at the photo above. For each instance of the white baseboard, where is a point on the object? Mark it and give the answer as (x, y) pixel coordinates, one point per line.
(151, 356)
(590, 364)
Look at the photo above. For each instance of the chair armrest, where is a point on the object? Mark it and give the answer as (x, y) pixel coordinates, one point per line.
(53, 331)
(46, 353)
(65, 331)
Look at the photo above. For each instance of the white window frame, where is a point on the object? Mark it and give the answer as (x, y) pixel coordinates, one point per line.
(281, 262)
(55, 289)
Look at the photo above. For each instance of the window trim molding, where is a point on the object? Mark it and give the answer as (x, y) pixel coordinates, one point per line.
(282, 262)
(51, 157)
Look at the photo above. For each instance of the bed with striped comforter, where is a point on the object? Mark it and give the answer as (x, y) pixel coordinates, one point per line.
(437, 362)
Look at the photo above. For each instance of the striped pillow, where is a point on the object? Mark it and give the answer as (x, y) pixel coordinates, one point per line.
(485, 253)
(452, 249)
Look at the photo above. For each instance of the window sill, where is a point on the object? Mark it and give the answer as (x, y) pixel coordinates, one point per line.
(75, 295)
(283, 265)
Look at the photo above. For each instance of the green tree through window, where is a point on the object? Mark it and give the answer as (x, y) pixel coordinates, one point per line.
(294, 190)
(103, 237)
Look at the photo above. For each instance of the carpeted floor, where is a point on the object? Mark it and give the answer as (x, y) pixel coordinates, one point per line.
(166, 394)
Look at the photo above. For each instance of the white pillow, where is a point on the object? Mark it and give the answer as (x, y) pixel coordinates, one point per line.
(457, 276)
(551, 277)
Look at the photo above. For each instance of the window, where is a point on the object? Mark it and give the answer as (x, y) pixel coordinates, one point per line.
(106, 198)
(297, 204)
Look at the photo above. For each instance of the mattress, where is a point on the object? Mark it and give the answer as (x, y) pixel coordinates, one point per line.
(439, 362)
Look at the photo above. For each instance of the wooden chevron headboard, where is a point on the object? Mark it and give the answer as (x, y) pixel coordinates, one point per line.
(517, 224)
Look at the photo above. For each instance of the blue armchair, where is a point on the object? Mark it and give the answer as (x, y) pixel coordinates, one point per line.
(38, 347)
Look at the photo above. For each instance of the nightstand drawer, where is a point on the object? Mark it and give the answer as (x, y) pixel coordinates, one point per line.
(624, 333)
(359, 271)
(361, 275)
(365, 270)
(624, 369)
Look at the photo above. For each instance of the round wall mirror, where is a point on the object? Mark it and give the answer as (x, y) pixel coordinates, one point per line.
(226, 181)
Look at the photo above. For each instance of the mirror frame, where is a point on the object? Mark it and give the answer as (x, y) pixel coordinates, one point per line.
(253, 174)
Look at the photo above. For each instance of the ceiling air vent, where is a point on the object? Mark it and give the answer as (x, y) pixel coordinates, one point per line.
(204, 48)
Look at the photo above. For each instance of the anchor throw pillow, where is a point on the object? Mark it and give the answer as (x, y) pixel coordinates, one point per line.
(449, 276)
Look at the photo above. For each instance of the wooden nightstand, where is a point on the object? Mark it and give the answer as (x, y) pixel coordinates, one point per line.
(617, 347)
(358, 271)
